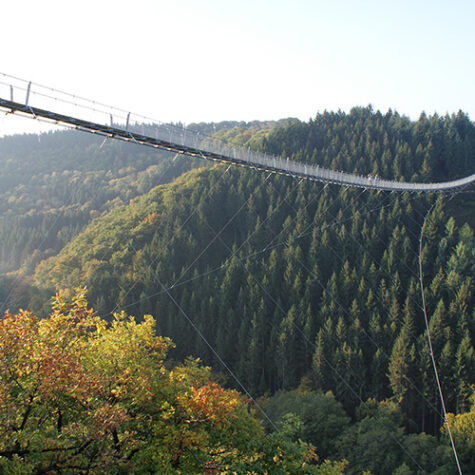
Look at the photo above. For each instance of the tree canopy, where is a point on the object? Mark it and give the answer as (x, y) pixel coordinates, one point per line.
(79, 395)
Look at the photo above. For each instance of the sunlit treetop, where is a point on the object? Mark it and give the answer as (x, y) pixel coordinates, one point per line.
(79, 394)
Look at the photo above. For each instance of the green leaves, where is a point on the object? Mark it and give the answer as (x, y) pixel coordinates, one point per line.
(79, 394)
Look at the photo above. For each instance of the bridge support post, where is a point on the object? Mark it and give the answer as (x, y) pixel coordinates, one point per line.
(27, 98)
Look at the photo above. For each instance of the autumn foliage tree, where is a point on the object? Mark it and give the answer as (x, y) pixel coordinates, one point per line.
(463, 431)
(79, 395)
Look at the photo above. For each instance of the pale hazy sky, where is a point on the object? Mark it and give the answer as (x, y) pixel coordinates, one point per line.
(212, 60)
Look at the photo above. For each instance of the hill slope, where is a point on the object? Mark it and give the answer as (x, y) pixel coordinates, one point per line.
(295, 281)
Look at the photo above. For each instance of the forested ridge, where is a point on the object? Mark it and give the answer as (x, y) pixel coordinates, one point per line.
(53, 185)
(309, 293)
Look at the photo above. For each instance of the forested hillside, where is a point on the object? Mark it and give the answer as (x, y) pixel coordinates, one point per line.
(53, 185)
(295, 284)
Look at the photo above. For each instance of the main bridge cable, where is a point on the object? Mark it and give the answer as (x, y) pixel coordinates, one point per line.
(321, 174)
(429, 341)
(98, 104)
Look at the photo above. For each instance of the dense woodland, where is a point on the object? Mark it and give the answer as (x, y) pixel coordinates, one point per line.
(309, 293)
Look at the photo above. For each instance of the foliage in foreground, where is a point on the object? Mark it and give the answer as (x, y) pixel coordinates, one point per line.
(80, 395)
(463, 431)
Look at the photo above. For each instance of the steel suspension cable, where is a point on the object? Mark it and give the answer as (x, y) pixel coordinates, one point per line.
(429, 343)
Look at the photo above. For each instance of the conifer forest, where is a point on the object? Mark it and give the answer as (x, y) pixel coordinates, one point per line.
(219, 319)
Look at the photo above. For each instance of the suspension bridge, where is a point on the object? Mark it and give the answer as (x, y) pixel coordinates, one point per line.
(185, 142)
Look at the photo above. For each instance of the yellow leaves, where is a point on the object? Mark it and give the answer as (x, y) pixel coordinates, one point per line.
(73, 380)
(191, 373)
(167, 411)
(79, 299)
(152, 219)
(211, 403)
(311, 454)
(462, 427)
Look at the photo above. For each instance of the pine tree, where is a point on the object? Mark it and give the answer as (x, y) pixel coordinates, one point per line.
(320, 364)
(465, 369)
